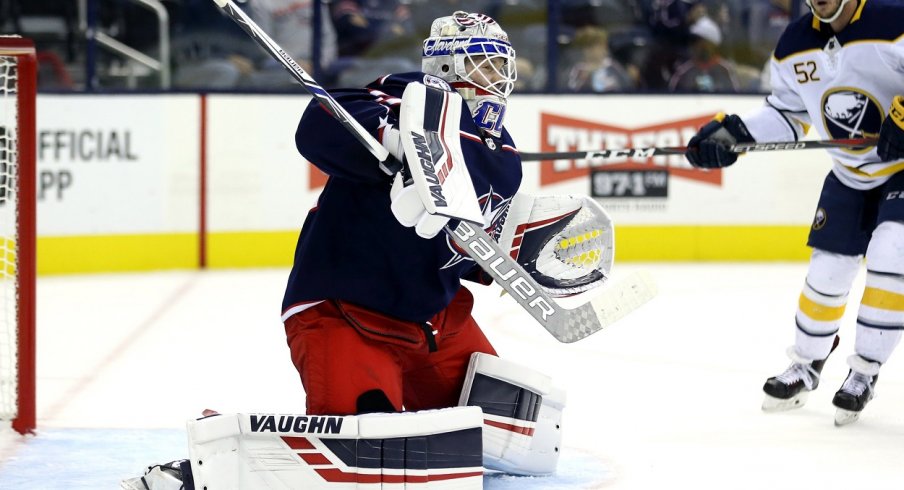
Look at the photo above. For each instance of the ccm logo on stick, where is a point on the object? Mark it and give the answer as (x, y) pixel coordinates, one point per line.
(485, 252)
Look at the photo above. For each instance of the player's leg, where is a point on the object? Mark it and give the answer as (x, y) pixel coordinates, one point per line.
(342, 371)
(839, 236)
(880, 319)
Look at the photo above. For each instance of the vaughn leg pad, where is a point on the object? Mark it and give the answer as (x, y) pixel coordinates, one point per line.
(522, 413)
(429, 450)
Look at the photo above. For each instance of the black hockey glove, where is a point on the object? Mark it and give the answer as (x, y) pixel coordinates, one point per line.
(891, 134)
(711, 146)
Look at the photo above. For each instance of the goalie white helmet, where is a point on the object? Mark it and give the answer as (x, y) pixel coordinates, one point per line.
(473, 54)
(830, 18)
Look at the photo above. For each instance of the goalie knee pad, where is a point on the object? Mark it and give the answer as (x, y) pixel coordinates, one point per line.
(522, 415)
(430, 449)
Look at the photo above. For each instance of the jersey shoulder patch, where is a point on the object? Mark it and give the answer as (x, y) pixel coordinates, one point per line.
(878, 20)
(800, 36)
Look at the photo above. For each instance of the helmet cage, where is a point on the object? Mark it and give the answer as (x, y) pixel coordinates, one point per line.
(475, 60)
(827, 20)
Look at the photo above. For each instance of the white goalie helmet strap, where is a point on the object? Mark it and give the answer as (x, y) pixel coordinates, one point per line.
(473, 54)
(834, 16)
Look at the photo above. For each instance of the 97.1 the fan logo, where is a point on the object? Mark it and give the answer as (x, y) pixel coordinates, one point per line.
(624, 176)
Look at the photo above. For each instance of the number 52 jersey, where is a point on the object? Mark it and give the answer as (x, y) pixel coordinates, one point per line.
(842, 84)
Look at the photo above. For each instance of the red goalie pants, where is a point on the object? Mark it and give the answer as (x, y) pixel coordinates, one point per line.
(342, 351)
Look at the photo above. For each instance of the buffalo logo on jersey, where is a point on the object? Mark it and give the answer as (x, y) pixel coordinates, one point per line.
(850, 113)
(820, 219)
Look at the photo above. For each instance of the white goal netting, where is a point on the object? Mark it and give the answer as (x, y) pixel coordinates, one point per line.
(8, 252)
(17, 218)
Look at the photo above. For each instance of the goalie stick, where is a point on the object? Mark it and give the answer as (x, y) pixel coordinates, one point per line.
(679, 150)
(566, 325)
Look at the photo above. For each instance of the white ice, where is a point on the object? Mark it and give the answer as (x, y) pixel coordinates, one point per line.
(667, 397)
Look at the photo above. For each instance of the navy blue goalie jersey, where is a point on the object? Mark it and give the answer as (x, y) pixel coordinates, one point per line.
(351, 247)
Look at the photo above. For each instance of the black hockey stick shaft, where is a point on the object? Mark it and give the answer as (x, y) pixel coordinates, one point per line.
(679, 150)
(564, 324)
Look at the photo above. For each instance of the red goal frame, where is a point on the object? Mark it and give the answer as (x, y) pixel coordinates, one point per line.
(26, 268)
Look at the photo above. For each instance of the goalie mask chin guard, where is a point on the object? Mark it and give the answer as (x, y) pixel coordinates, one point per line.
(827, 20)
(473, 54)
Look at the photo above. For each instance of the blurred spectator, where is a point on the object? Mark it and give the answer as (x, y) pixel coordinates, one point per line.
(766, 20)
(583, 13)
(669, 22)
(52, 25)
(290, 24)
(209, 50)
(530, 79)
(360, 24)
(706, 71)
(595, 70)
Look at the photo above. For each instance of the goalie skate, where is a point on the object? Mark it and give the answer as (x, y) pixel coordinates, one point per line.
(175, 475)
(790, 389)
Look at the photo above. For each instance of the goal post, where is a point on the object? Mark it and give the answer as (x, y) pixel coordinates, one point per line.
(18, 88)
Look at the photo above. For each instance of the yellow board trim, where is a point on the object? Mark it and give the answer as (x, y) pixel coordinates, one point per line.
(711, 243)
(251, 249)
(124, 253)
(818, 312)
(882, 299)
(116, 253)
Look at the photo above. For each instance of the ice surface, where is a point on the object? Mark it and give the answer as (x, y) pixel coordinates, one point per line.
(668, 397)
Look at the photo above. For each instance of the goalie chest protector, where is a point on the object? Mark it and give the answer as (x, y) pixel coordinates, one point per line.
(351, 247)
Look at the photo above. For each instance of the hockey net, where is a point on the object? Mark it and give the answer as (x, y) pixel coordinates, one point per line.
(18, 73)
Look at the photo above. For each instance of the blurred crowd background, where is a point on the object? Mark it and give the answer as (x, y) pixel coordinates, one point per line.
(562, 46)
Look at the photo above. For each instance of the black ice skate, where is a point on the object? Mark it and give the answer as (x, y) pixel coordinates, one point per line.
(790, 389)
(858, 389)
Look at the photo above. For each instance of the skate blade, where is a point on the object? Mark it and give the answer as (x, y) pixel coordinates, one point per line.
(773, 404)
(845, 417)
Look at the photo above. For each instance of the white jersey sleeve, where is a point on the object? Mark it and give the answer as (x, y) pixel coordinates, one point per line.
(784, 116)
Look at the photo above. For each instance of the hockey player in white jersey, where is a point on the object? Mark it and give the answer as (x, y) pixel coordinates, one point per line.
(838, 69)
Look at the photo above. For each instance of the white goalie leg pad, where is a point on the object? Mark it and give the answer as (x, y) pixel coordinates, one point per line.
(522, 413)
(567, 243)
(429, 120)
(429, 450)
